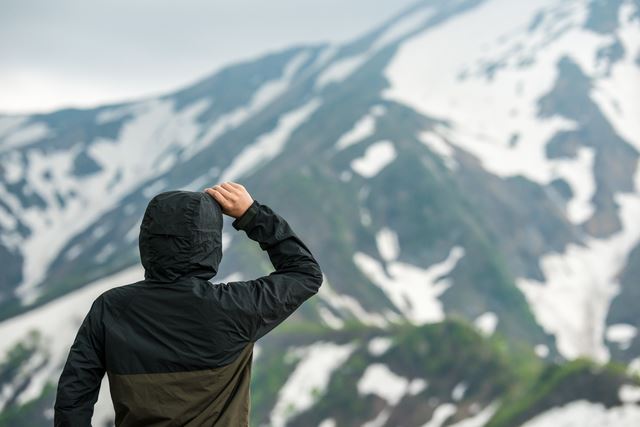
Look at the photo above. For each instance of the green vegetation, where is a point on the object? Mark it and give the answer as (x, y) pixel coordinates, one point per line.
(31, 413)
(270, 373)
(326, 214)
(560, 384)
(443, 354)
(17, 356)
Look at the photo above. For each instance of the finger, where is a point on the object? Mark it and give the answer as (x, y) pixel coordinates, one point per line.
(229, 187)
(210, 191)
(233, 192)
(226, 193)
(216, 195)
(236, 185)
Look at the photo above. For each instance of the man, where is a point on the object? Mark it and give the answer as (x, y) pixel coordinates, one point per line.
(177, 350)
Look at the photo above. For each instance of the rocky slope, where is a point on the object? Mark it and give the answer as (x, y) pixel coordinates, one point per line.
(466, 173)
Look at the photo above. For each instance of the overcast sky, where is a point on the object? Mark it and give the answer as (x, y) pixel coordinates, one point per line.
(60, 53)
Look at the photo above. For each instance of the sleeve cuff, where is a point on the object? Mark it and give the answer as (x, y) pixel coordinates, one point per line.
(242, 221)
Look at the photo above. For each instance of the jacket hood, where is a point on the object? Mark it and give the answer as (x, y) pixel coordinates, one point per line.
(181, 236)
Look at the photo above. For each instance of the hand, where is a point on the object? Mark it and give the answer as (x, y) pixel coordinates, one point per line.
(233, 198)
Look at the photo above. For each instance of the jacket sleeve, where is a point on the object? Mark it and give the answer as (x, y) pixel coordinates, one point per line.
(79, 383)
(265, 302)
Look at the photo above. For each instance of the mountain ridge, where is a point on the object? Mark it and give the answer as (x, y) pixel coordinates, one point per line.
(423, 211)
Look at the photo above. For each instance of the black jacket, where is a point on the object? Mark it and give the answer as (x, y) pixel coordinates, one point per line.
(177, 349)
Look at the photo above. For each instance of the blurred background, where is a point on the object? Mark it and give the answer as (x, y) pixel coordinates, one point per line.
(466, 173)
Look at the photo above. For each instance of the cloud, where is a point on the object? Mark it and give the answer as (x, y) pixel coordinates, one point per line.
(77, 53)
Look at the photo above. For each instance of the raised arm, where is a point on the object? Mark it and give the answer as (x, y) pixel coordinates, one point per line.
(79, 383)
(263, 303)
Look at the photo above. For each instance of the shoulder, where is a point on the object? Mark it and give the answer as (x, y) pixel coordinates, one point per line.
(120, 290)
(118, 295)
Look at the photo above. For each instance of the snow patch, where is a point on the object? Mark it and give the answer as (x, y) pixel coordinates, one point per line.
(29, 373)
(343, 68)
(330, 319)
(441, 414)
(413, 290)
(126, 161)
(578, 173)
(106, 252)
(340, 70)
(348, 304)
(416, 386)
(365, 216)
(262, 97)
(580, 283)
(154, 188)
(621, 334)
(378, 379)
(458, 391)
(461, 88)
(582, 413)
(73, 252)
(634, 367)
(58, 322)
(363, 128)
(387, 242)
(274, 88)
(103, 413)
(403, 27)
(7, 221)
(480, 419)
(226, 240)
(13, 167)
(269, 145)
(379, 420)
(24, 135)
(311, 376)
(612, 92)
(329, 422)
(541, 350)
(112, 114)
(257, 351)
(378, 110)
(9, 124)
(486, 323)
(133, 232)
(379, 345)
(327, 53)
(629, 393)
(439, 146)
(232, 277)
(99, 231)
(375, 158)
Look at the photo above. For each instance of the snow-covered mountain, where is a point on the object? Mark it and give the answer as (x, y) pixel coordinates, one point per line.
(467, 174)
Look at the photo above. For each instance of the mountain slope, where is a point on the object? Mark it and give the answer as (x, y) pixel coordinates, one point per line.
(475, 160)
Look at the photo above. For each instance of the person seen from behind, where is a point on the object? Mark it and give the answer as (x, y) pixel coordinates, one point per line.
(177, 350)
